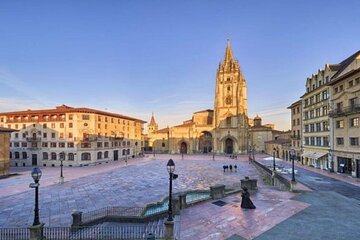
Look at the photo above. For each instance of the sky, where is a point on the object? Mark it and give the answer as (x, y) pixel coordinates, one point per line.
(138, 57)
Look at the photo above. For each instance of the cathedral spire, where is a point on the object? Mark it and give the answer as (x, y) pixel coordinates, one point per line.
(152, 120)
(229, 57)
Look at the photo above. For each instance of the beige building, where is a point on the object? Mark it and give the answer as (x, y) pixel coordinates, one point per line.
(259, 134)
(80, 136)
(315, 119)
(345, 115)
(5, 151)
(222, 130)
(296, 130)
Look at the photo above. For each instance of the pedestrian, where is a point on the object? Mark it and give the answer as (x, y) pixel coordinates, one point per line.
(224, 167)
(235, 167)
(230, 168)
(246, 201)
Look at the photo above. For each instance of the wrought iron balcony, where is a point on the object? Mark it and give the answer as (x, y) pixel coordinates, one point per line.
(345, 111)
(33, 139)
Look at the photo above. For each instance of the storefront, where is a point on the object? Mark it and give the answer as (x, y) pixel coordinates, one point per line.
(344, 165)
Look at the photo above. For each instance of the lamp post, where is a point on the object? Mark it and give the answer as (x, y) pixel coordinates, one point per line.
(253, 153)
(292, 156)
(170, 168)
(36, 175)
(274, 150)
(62, 158)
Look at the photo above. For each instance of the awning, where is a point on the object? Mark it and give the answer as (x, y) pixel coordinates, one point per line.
(313, 155)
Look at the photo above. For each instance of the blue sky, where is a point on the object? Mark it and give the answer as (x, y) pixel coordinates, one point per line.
(138, 57)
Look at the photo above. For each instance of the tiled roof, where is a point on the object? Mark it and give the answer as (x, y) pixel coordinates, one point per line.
(67, 109)
(163, 130)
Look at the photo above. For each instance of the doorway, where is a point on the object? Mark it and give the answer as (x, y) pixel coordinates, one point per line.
(34, 159)
(183, 148)
(229, 146)
(116, 155)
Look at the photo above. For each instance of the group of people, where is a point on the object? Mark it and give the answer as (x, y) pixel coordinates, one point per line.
(233, 156)
(229, 167)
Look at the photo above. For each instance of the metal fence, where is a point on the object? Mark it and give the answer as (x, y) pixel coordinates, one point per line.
(111, 212)
(135, 232)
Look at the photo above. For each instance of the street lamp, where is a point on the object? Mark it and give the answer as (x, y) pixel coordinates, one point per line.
(292, 156)
(274, 150)
(62, 158)
(170, 168)
(36, 175)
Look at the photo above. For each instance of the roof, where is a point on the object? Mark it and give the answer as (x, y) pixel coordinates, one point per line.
(294, 104)
(185, 125)
(334, 67)
(163, 130)
(152, 120)
(66, 109)
(2, 129)
(229, 56)
(207, 110)
(345, 63)
(352, 72)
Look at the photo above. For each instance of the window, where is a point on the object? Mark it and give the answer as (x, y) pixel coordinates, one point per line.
(61, 125)
(61, 145)
(228, 121)
(16, 144)
(99, 155)
(324, 95)
(44, 135)
(99, 118)
(85, 145)
(341, 88)
(16, 135)
(293, 111)
(312, 141)
(44, 144)
(99, 144)
(298, 121)
(325, 110)
(99, 125)
(163, 144)
(24, 155)
(70, 125)
(354, 141)
(340, 124)
(352, 103)
(318, 127)
(351, 83)
(61, 135)
(357, 81)
(53, 156)
(85, 117)
(70, 135)
(106, 144)
(336, 90)
(325, 126)
(17, 155)
(106, 154)
(312, 127)
(318, 141)
(317, 98)
(86, 156)
(294, 122)
(128, 143)
(340, 141)
(354, 122)
(339, 106)
(24, 126)
(70, 117)
(325, 141)
(53, 144)
(312, 114)
(318, 112)
(53, 125)
(24, 144)
(45, 156)
(71, 157)
(70, 145)
(306, 140)
(306, 128)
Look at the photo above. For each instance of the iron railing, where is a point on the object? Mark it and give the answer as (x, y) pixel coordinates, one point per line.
(134, 232)
(345, 111)
(112, 212)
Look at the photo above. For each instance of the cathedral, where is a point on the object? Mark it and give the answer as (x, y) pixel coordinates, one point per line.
(224, 129)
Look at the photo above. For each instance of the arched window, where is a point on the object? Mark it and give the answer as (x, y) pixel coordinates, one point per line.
(228, 121)
(71, 157)
(85, 156)
(17, 155)
(124, 152)
(53, 156)
(99, 155)
(128, 151)
(45, 156)
(106, 154)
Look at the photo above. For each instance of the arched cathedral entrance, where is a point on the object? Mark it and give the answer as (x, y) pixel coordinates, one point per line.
(229, 146)
(183, 148)
(205, 142)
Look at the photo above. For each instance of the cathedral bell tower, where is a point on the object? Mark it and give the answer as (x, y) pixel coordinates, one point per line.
(230, 107)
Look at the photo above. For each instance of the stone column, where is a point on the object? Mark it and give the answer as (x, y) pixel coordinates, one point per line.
(169, 230)
(36, 232)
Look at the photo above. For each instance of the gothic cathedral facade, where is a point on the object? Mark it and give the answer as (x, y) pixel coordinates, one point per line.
(222, 130)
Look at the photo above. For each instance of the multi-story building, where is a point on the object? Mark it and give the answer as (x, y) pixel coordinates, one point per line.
(345, 115)
(315, 119)
(296, 129)
(79, 136)
(5, 150)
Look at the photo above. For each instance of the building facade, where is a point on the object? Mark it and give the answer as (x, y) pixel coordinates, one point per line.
(345, 116)
(5, 151)
(296, 130)
(79, 136)
(222, 130)
(315, 119)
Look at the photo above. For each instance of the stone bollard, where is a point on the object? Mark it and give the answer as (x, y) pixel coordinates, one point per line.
(169, 230)
(182, 200)
(36, 232)
(150, 236)
(77, 219)
(217, 191)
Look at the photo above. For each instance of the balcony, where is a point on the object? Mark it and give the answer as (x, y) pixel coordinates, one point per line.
(345, 111)
(295, 137)
(33, 139)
